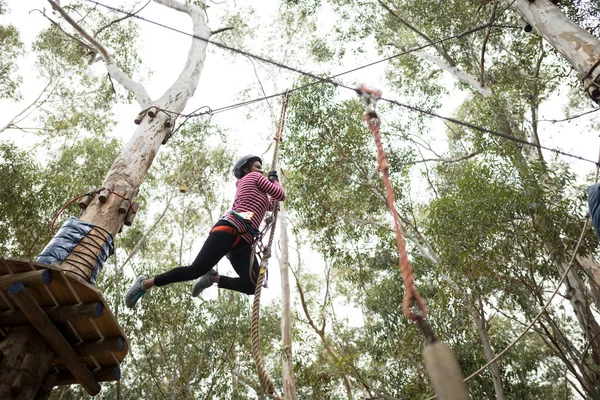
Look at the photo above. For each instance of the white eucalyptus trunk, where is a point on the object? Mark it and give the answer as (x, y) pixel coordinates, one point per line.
(130, 167)
(125, 176)
(289, 386)
(488, 351)
(579, 47)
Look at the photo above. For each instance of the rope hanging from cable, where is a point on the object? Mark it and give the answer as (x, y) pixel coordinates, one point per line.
(440, 362)
(411, 295)
(266, 382)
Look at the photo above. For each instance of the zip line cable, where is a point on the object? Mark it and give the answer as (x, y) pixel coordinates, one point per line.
(276, 63)
(331, 81)
(486, 130)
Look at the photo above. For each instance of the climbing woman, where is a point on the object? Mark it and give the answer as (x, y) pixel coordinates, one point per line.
(232, 235)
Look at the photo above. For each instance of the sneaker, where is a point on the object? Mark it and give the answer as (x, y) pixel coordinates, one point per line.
(136, 292)
(203, 283)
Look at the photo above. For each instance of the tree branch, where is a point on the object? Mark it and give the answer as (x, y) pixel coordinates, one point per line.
(33, 103)
(227, 28)
(116, 21)
(189, 76)
(115, 72)
(413, 28)
(67, 34)
(456, 72)
(485, 39)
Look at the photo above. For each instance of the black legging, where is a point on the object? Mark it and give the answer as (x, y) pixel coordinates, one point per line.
(217, 245)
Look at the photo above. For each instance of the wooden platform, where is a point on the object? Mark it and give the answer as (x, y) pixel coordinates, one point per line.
(85, 335)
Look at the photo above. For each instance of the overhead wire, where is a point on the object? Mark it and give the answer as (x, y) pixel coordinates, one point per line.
(276, 63)
(490, 131)
(329, 79)
(554, 121)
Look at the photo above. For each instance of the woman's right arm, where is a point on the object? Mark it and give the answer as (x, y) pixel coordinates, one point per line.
(273, 189)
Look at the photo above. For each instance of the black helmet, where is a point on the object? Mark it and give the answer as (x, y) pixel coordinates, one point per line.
(244, 163)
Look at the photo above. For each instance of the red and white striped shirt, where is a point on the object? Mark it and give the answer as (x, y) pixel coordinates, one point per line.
(253, 191)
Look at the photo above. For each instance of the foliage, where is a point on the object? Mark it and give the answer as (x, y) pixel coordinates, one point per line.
(486, 223)
(35, 192)
(12, 47)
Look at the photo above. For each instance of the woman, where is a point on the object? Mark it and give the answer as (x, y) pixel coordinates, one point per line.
(232, 235)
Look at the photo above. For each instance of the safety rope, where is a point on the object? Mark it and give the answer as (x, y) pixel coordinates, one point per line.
(266, 383)
(411, 295)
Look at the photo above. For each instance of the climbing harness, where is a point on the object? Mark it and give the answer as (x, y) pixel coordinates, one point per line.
(245, 217)
(444, 371)
(266, 382)
(228, 229)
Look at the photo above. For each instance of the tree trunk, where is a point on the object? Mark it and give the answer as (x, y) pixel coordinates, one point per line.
(289, 387)
(579, 47)
(124, 177)
(456, 72)
(576, 290)
(487, 349)
(18, 343)
(576, 295)
(592, 269)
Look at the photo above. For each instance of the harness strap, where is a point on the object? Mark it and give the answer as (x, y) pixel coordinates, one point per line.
(249, 228)
(229, 229)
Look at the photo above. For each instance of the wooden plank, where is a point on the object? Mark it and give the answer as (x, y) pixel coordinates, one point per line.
(107, 324)
(3, 267)
(53, 337)
(84, 329)
(5, 304)
(16, 265)
(56, 314)
(68, 290)
(29, 279)
(101, 375)
(100, 346)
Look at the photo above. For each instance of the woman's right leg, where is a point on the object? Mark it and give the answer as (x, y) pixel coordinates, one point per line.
(215, 247)
(241, 263)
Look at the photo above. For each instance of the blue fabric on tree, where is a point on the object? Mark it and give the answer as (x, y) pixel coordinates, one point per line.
(594, 205)
(68, 236)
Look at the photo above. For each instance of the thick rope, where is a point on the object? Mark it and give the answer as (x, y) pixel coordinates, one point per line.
(411, 295)
(266, 383)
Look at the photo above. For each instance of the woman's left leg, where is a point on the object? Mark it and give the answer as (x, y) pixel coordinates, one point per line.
(246, 269)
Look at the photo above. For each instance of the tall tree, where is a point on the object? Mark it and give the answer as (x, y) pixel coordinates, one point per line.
(11, 47)
(289, 387)
(127, 172)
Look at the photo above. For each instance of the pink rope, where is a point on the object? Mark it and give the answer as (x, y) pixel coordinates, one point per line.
(412, 295)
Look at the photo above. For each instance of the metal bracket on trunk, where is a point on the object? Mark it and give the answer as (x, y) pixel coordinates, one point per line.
(591, 82)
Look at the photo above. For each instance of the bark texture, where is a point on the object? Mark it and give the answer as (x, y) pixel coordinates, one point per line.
(289, 386)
